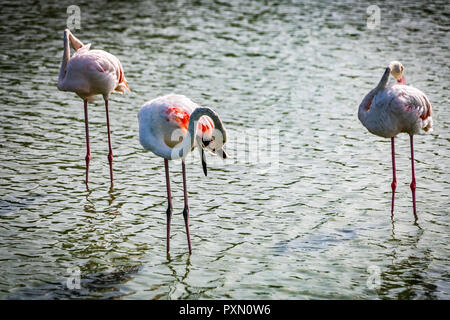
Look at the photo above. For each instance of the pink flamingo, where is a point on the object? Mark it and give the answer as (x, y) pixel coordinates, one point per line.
(89, 73)
(172, 126)
(393, 108)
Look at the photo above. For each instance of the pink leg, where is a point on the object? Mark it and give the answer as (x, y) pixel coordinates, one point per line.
(88, 148)
(186, 207)
(110, 154)
(413, 182)
(394, 180)
(169, 201)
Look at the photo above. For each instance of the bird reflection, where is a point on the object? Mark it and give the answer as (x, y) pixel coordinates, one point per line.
(113, 209)
(178, 279)
(408, 267)
(90, 207)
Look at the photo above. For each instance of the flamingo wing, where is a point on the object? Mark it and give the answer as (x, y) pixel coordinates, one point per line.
(111, 67)
(414, 105)
(178, 111)
(95, 72)
(179, 116)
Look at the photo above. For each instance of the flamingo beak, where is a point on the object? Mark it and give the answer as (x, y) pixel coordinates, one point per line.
(205, 169)
(402, 80)
(224, 154)
(126, 84)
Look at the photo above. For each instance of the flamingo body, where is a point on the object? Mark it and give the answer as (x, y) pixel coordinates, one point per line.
(164, 120)
(390, 109)
(89, 73)
(171, 126)
(92, 72)
(396, 109)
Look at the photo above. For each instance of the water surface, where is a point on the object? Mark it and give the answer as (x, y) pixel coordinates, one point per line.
(307, 226)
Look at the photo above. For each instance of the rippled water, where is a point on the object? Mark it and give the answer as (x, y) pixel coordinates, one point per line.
(316, 224)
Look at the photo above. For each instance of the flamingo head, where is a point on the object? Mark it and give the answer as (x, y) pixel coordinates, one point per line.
(214, 140)
(397, 71)
(67, 34)
(215, 146)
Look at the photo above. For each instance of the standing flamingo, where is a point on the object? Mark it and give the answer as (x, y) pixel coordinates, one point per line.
(393, 108)
(89, 73)
(171, 126)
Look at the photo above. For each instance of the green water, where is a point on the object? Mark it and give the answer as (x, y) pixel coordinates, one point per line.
(313, 222)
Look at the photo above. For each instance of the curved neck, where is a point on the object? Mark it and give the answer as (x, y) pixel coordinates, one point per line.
(367, 101)
(383, 81)
(184, 147)
(65, 57)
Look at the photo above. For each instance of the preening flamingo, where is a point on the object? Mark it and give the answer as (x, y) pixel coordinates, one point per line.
(172, 126)
(89, 73)
(390, 109)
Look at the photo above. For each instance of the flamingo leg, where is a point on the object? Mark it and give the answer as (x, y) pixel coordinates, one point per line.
(186, 206)
(110, 154)
(169, 202)
(88, 148)
(413, 182)
(394, 180)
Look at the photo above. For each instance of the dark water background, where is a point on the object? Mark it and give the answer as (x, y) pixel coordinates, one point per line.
(311, 224)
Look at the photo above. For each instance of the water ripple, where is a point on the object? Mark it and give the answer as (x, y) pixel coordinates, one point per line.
(310, 228)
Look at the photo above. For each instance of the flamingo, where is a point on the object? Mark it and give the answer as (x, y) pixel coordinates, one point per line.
(89, 73)
(171, 126)
(390, 109)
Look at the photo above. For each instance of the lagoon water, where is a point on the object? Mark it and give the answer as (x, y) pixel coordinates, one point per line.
(301, 210)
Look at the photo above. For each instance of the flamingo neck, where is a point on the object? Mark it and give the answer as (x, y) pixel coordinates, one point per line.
(365, 105)
(65, 58)
(184, 147)
(380, 86)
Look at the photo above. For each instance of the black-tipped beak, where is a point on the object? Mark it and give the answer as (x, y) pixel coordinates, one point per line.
(206, 142)
(224, 154)
(205, 169)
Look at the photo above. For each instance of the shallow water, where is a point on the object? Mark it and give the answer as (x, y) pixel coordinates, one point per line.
(306, 216)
